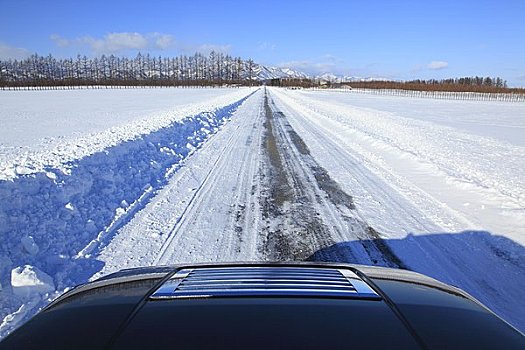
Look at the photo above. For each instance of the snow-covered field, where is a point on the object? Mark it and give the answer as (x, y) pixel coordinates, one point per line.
(29, 118)
(187, 175)
(49, 128)
(499, 120)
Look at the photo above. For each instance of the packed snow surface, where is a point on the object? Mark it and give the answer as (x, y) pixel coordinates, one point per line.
(269, 174)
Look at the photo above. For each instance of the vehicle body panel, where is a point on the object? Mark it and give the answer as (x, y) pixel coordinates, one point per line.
(413, 311)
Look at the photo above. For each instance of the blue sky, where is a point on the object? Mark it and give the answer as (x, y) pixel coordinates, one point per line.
(401, 39)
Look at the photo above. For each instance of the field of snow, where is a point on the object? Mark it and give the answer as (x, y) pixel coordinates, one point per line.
(31, 118)
(499, 120)
(50, 128)
(200, 175)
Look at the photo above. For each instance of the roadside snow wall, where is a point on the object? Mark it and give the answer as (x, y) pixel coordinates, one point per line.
(57, 222)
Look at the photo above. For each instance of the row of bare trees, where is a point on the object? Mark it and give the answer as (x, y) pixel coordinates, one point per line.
(466, 84)
(293, 82)
(446, 95)
(142, 70)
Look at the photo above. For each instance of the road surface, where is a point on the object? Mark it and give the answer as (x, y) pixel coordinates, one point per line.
(276, 184)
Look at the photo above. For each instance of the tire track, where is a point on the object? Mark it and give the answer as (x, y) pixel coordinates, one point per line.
(197, 196)
(307, 211)
(243, 216)
(213, 225)
(350, 164)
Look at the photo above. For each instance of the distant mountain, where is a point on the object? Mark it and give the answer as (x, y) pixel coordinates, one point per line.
(266, 72)
(262, 72)
(330, 77)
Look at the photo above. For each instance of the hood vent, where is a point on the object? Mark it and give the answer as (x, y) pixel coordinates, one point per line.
(247, 281)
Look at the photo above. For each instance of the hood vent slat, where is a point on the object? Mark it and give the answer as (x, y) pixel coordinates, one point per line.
(264, 281)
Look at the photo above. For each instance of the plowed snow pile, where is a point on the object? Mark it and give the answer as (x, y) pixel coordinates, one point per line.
(103, 154)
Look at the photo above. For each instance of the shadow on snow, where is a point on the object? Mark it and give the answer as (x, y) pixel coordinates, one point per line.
(489, 267)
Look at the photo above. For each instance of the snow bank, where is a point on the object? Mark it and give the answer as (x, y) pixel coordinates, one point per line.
(56, 220)
(28, 280)
(37, 134)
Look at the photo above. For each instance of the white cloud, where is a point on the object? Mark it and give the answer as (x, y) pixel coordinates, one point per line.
(163, 41)
(59, 41)
(113, 43)
(319, 65)
(265, 46)
(116, 43)
(435, 65)
(207, 48)
(16, 53)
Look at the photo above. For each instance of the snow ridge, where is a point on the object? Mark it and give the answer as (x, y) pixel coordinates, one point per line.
(58, 153)
(56, 221)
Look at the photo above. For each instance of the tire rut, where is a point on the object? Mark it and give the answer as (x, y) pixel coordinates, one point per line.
(293, 230)
(304, 209)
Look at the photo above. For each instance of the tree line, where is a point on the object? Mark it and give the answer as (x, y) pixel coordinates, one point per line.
(465, 84)
(215, 68)
(293, 82)
(143, 70)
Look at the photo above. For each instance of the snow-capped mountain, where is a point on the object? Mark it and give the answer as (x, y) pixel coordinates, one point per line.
(265, 72)
(330, 77)
(262, 72)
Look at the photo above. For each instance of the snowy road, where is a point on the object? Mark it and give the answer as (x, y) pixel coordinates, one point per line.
(279, 182)
(253, 192)
(199, 214)
(286, 175)
(415, 201)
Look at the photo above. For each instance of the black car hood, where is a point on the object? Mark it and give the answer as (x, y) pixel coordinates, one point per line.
(413, 311)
